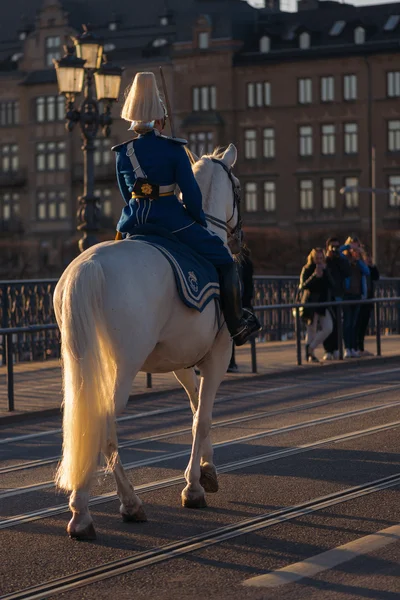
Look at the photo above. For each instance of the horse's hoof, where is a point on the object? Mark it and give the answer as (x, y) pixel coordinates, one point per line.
(209, 479)
(85, 535)
(199, 502)
(138, 517)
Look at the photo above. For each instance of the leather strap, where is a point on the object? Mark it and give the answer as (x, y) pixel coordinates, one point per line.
(130, 152)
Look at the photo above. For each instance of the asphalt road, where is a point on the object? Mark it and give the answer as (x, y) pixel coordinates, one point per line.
(309, 471)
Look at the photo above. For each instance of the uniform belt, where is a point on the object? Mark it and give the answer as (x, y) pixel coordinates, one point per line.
(164, 190)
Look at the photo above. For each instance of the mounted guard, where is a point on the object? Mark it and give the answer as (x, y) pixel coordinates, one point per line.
(149, 169)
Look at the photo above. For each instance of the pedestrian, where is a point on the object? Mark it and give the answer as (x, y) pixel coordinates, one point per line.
(316, 285)
(366, 309)
(355, 289)
(246, 271)
(339, 268)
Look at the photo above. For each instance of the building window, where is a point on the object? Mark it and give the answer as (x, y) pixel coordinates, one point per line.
(104, 196)
(328, 139)
(201, 142)
(304, 40)
(9, 158)
(205, 98)
(102, 152)
(306, 140)
(394, 186)
(269, 142)
(327, 89)
(351, 195)
(50, 156)
(52, 49)
(359, 35)
(305, 91)
(50, 108)
(337, 28)
(351, 138)
(258, 94)
(250, 143)
(51, 205)
(9, 206)
(265, 44)
(350, 87)
(393, 84)
(394, 136)
(328, 194)
(269, 196)
(250, 196)
(9, 113)
(306, 194)
(204, 40)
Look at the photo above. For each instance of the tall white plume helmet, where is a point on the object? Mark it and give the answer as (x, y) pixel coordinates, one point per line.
(143, 104)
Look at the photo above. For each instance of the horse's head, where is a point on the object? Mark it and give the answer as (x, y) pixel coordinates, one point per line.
(221, 195)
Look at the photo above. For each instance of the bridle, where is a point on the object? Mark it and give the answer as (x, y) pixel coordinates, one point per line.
(233, 232)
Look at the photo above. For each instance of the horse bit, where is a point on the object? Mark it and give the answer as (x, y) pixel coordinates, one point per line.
(233, 232)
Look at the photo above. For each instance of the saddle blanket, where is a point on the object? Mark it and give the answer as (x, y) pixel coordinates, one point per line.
(196, 278)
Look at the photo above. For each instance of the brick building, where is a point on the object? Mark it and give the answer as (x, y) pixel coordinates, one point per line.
(304, 96)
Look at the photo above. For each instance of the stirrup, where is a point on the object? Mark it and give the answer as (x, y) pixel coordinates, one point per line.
(250, 325)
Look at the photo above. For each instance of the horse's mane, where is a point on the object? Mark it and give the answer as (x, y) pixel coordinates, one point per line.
(203, 171)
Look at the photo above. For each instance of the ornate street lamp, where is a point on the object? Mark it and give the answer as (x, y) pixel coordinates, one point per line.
(75, 73)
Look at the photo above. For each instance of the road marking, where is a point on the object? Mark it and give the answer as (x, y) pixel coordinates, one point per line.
(326, 560)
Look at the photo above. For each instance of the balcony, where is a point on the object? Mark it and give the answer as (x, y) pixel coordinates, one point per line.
(14, 178)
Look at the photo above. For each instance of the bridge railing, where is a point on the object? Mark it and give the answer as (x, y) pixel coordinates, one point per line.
(29, 302)
(380, 304)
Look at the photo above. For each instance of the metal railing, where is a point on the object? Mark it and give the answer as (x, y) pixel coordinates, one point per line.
(378, 303)
(30, 302)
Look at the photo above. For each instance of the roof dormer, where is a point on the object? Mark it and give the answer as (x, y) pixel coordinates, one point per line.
(202, 32)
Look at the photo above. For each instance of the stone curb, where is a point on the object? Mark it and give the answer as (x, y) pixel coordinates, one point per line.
(7, 419)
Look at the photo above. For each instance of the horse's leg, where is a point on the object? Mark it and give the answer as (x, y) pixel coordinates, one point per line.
(212, 369)
(131, 506)
(80, 526)
(208, 473)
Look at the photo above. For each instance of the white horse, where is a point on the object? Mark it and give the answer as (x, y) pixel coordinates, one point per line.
(119, 313)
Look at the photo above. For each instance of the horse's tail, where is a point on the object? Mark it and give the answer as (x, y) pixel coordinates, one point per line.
(88, 374)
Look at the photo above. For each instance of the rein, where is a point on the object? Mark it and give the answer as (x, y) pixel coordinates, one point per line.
(231, 231)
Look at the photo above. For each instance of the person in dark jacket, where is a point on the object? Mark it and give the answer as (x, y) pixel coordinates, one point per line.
(366, 309)
(316, 285)
(246, 271)
(340, 269)
(355, 289)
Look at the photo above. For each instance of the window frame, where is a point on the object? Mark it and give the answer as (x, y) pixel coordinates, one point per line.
(328, 194)
(327, 88)
(304, 90)
(269, 197)
(250, 144)
(348, 139)
(306, 195)
(328, 140)
(252, 195)
(306, 141)
(348, 86)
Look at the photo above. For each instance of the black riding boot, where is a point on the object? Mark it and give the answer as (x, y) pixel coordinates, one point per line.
(241, 323)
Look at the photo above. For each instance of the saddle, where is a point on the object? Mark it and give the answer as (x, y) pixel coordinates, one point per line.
(196, 278)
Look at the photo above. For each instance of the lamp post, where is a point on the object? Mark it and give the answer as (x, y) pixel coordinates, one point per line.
(86, 70)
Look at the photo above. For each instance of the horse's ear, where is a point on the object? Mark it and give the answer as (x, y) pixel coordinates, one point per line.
(192, 156)
(229, 156)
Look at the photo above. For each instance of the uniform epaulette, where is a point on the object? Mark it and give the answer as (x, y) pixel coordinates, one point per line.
(118, 147)
(180, 141)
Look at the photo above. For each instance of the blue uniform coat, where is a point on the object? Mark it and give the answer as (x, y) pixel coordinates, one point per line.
(164, 162)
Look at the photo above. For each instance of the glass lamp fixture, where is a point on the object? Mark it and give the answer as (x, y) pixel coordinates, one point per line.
(70, 72)
(108, 81)
(89, 47)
